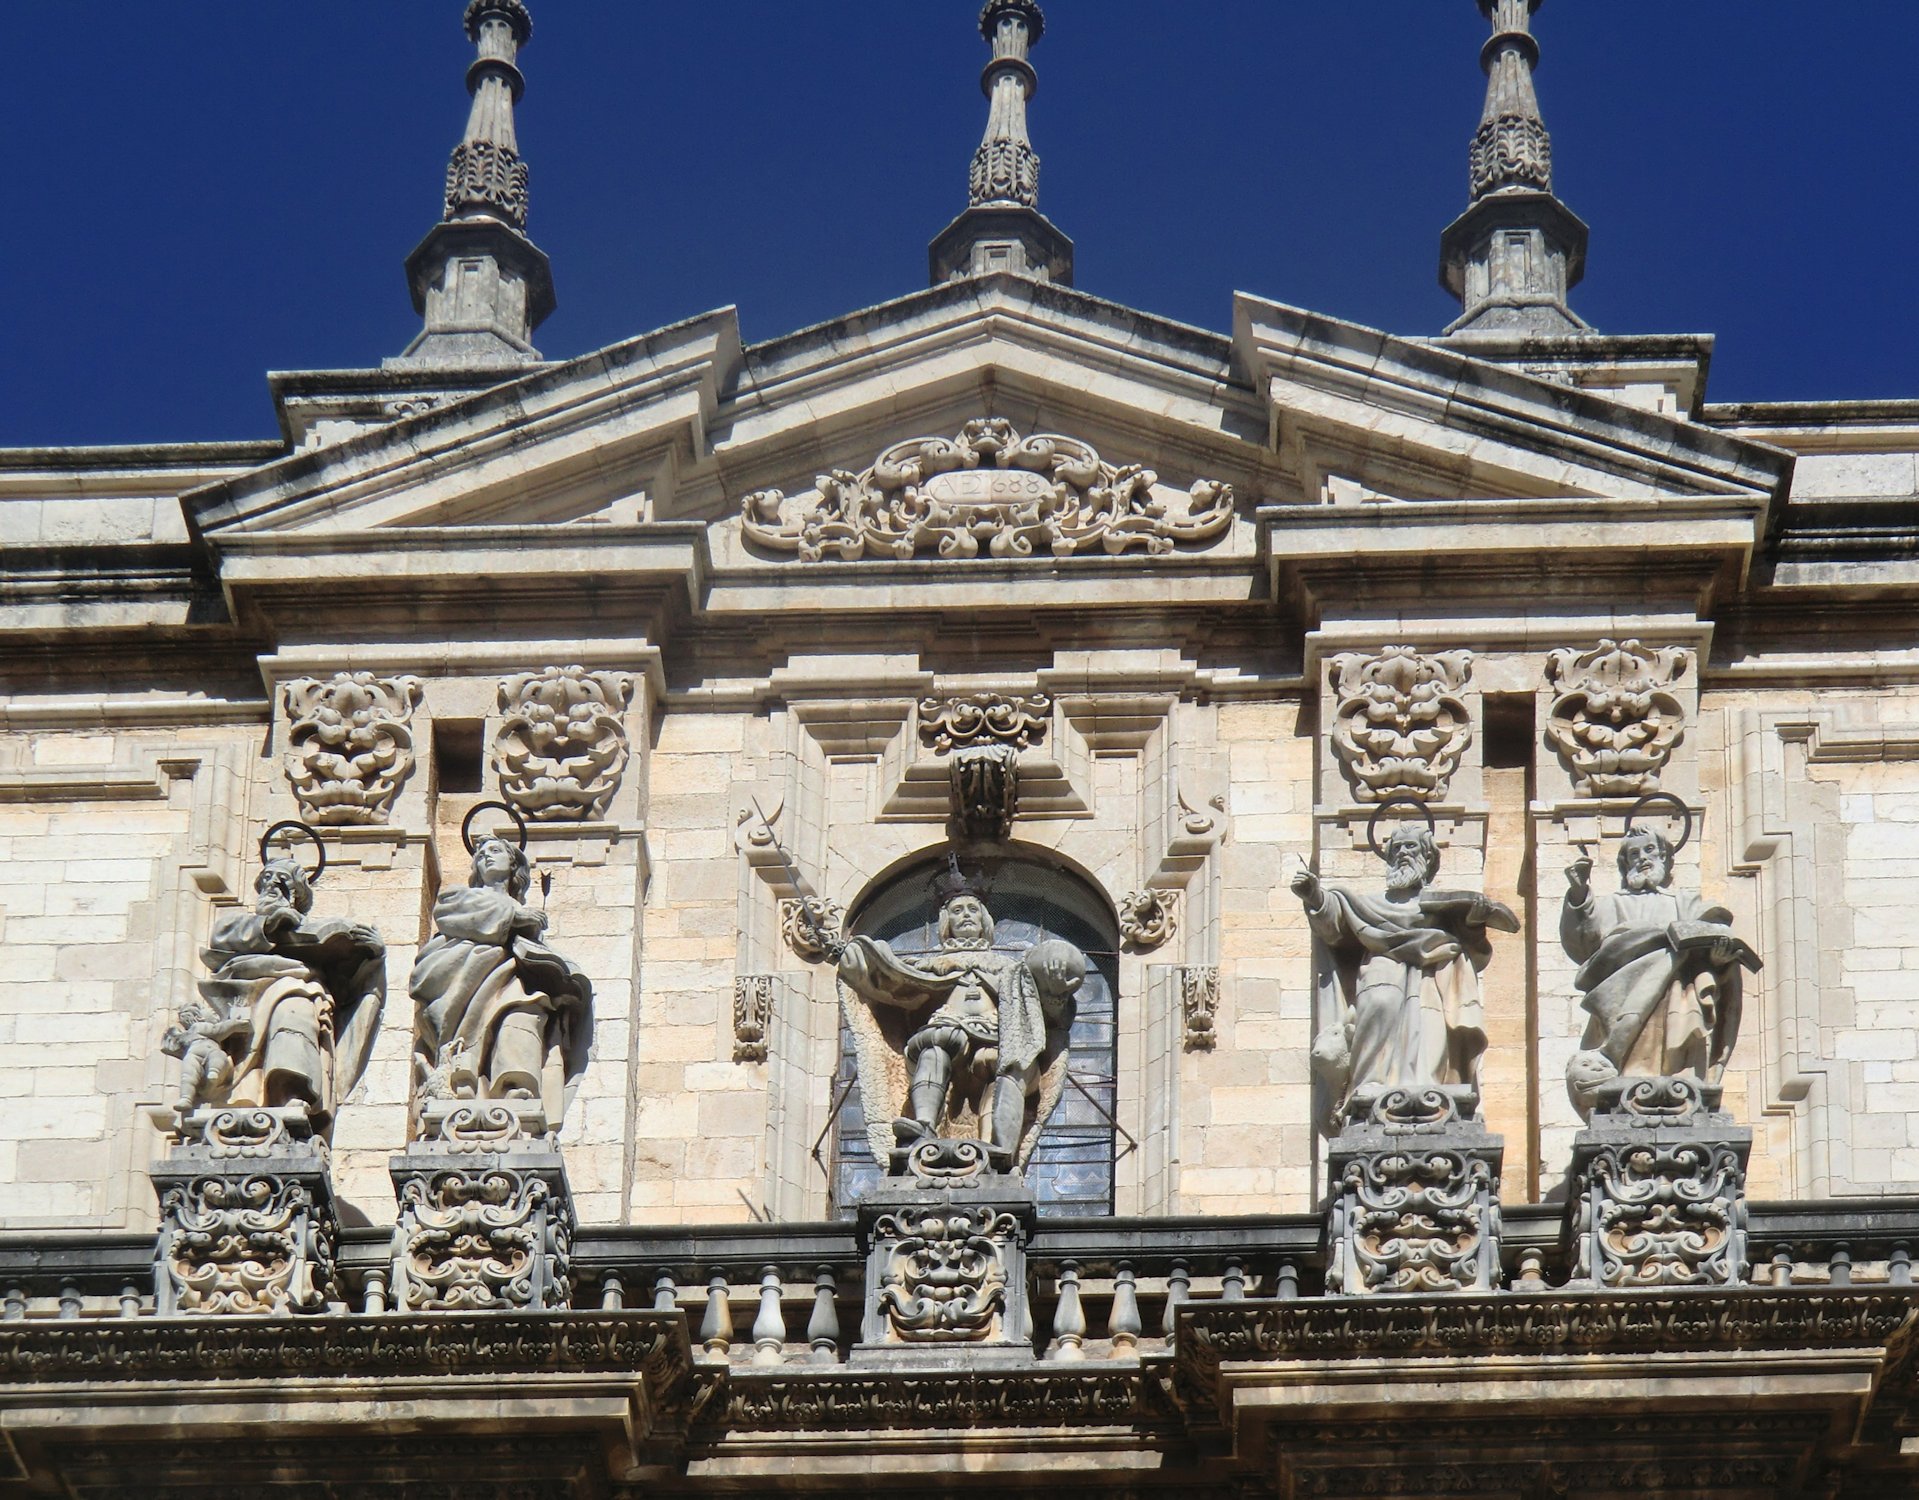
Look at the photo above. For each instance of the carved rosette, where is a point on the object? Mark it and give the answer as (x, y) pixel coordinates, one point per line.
(1148, 919)
(1616, 719)
(752, 1015)
(987, 492)
(985, 718)
(1199, 1004)
(945, 1273)
(1511, 151)
(985, 791)
(1399, 726)
(489, 1234)
(812, 926)
(349, 745)
(562, 745)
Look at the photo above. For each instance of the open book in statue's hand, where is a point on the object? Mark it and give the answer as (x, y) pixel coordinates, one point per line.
(1719, 943)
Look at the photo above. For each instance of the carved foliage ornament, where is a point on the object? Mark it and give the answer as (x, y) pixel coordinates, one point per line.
(989, 491)
(1662, 1212)
(984, 719)
(1415, 1218)
(812, 927)
(246, 1243)
(945, 1278)
(1511, 150)
(1148, 919)
(473, 1238)
(1399, 727)
(752, 1014)
(1616, 720)
(984, 783)
(349, 745)
(1199, 1003)
(562, 746)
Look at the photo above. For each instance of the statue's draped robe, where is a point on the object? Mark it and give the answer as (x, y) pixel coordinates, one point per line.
(1660, 1004)
(1404, 976)
(312, 993)
(1023, 1032)
(476, 971)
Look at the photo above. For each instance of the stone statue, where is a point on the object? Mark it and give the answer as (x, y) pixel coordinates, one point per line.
(973, 1038)
(293, 1003)
(498, 1015)
(1660, 973)
(1403, 979)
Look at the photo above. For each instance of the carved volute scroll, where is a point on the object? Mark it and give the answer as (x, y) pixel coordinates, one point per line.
(1148, 919)
(986, 492)
(986, 718)
(562, 747)
(1616, 720)
(1399, 726)
(349, 745)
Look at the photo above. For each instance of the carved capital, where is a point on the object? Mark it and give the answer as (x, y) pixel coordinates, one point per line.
(987, 492)
(562, 745)
(1399, 727)
(349, 745)
(1616, 720)
(752, 1014)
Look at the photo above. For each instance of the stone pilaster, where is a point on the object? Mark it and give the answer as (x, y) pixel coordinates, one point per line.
(1658, 1188)
(1414, 1199)
(247, 1219)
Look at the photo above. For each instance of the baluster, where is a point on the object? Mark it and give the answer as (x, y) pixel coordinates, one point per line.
(1782, 1266)
(1179, 1288)
(129, 1301)
(16, 1305)
(1899, 1267)
(1069, 1318)
(716, 1329)
(769, 1328)
(373, 1294)
(1122, 1322)
(1233, 1284)
(612, 1293)
(1532, 1271)
(70, 1303)
(1841, 1265)
(1288, 1281)
(666, 1294)
(823, 1328)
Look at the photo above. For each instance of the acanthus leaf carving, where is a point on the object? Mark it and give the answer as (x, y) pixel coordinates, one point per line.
(988, 492)
(1400, 728)
(752, 1015)
(1199, 1005)
(984, 718)
(349, 744)
(562, 745)
(1616, 720)
(1148, 919)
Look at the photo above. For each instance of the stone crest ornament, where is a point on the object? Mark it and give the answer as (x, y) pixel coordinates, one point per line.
(969, 1042)
(811, 926)
(752, 1014)
(562, 745)
(985, 718)
(498, 1015)
(349, 745)
(1616, 719)
(1661, 974)
(987, 492)
(1199, 1004)
(1148, 919)
(1399, 727)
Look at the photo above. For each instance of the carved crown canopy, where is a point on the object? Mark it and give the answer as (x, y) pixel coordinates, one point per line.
(988, 491)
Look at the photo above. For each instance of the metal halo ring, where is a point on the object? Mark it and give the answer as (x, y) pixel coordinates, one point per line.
(293, 825)
(466, 824)
(1677, 801)
(1372, 823)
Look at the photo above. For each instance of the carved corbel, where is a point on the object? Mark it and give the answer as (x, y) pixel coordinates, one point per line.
(349, 745)
(752, 1016)
(562, 745)
(1399, 727)
(985, 791)
(1616, 721)
(1199, 1005)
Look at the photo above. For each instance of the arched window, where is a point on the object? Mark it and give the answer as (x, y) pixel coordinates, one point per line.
(1071, 1167)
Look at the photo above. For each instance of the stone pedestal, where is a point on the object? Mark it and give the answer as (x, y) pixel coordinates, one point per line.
(1657, 1194)
(945, 1244)
(1414, 1196)
(486, 1216)
(247, 1219)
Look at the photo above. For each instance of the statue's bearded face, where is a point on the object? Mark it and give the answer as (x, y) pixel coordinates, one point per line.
(964, 923)
(282, 884)
(1410, 858)
(1644, 863)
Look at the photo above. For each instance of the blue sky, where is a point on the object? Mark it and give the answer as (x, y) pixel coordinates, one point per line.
(205, 192)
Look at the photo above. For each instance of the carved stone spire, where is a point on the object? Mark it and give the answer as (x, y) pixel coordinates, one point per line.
(1002, 228)
(1512, 257)
(480, 283)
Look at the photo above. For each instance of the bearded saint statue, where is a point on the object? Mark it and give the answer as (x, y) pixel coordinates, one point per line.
(1401, 980)
(294, 1002)
(1660, 974)
(975, 1038)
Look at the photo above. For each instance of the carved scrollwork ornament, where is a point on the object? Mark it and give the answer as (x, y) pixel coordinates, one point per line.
(1199, 1006)
(752, 1015)
(987, 492)
(1148, 919)
(349, 745)
(945, 1275)
(812, 927)
(1616, 720)
(985, 718)
(562, 745)
(1399, 726)
(252, 1243)
(475, 1238)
